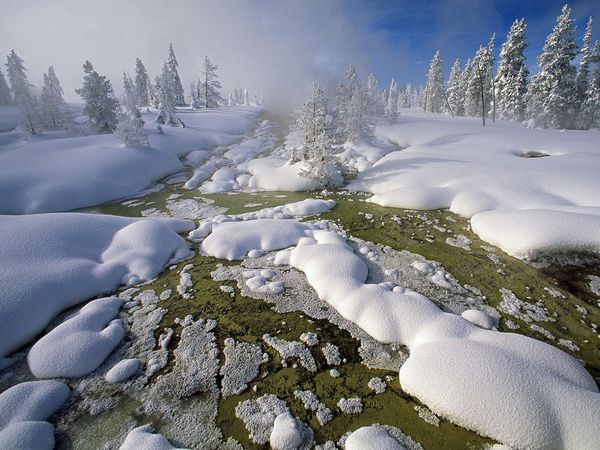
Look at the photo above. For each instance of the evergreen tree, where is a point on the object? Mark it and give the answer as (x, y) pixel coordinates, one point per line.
(210, 85)
(405, 97)
(552, 99)
(391, 109)
(454, 94)
(511, 79)
(142, 84)
(583, 75)
(435, 92)
(54, 110)
(464, 88)
(167, 98)
(100, 104)
(5, 94)
(30, 119)
(589, 116)
(177, 87)
(375, 107)
(354, 120)
(155, 92)
(480, 86)
(130, 128)
(317, 124)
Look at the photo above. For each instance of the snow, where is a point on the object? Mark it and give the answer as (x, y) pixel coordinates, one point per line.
(350, 405)
(289, 433)
(54, 261)
(469, 375)
(23, 411)
(278, 174)
(532, 204)
(143, 437)
(80, 344)
(367, 438)
(480, 319)
(47, 174)
(123, 370)
(9, 118)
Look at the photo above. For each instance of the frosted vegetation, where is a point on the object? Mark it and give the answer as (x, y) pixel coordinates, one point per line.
(378, 271)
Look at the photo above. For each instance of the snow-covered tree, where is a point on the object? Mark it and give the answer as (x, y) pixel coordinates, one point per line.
(391, 109)
(375, 107)
(30, 120)
(435, 93)
(464, 87)
(552, 96)
(246, 98)
(511, 78)
(583, 75)
(177, 87)
(210, 85)
(6, 97)
(130, 128)
(142, 84)
(154, 92)
(167, 98)
(480, 84)
(354, 120)
(317, 124)
(100, 104)
(54, 110)
(589, 116)
(454, 92)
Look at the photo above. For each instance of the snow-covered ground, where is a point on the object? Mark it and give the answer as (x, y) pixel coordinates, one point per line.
(53, 261)
(458, 164)
(51, 172)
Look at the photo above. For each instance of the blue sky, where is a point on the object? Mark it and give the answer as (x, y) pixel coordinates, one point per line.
(417, 28)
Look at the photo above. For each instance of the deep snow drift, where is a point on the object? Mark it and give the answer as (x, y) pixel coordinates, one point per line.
(468, 374)
(50, 172)
(53, 261)
(458, 164)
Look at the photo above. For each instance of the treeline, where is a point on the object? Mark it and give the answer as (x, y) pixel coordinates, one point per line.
(105, 112)
(560, 95)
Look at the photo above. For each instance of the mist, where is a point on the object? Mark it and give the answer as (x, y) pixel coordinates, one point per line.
(272, 48)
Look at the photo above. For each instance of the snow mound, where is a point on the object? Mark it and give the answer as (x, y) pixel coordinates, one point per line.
(367, 438)
(277, 174)
(469, 375)
(80, 344)
(289, 433)
(144, 438)
(123, 370)
(23, 411)
(54, 261)
(479, 318)
(530, 234)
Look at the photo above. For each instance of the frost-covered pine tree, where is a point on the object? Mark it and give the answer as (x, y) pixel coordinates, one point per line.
(130, 128)
(6, 97)
(29, 117)
(454, 92)
(583, 75)
(142, 84)
(435, 93)
(101, 106)
(155, 92)
(317, 124)
(405, 97)
(552, 96)
(354, 120)
(177, 87)
(53, 108)
(589, 116)
(246, 98)
(210, 85)
(167, 98)
(375, 107)
(478, 94)
(464, 87)
(511, 78)
(391, 109)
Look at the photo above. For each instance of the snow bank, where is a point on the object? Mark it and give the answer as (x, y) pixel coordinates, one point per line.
(512, 388)
(123, 370)
(9, 118)
(530, 234)
(42, 174)
(143, 437)
(367, 438)
(80, 344)
(53, 261)
(289, 433)
(23, 411)
(277, 174)
(458, 164)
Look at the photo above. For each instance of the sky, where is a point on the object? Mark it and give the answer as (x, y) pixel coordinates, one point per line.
(275, 48)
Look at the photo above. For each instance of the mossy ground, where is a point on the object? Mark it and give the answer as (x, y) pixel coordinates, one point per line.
(247, 319)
